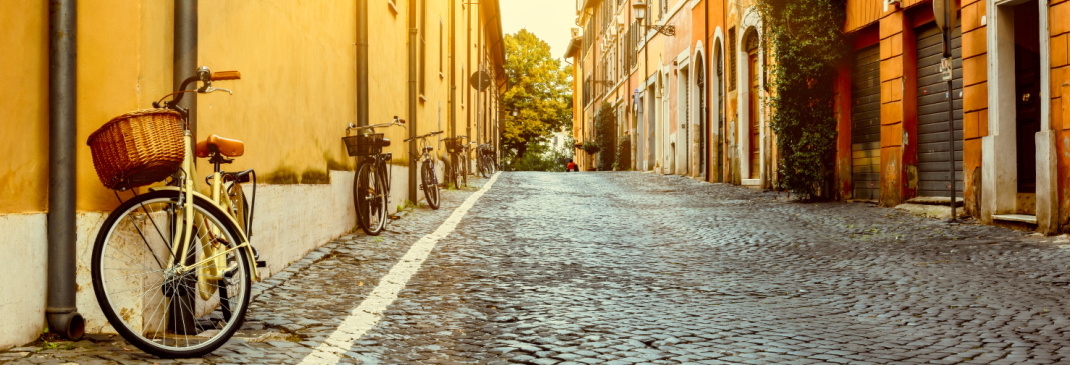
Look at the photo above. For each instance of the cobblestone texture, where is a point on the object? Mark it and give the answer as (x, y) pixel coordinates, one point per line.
(624, 268)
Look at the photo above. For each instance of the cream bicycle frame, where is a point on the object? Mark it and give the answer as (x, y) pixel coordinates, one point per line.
(220, 200)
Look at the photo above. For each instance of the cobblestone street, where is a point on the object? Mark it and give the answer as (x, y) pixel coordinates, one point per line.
(622, 268)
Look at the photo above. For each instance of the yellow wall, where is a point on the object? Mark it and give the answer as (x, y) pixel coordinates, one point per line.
(296, 95)
(298, 86)
(23, 106)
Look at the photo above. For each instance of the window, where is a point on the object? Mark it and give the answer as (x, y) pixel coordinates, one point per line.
(732, 59)
(587, 90)
(441, 41)
(423, 46)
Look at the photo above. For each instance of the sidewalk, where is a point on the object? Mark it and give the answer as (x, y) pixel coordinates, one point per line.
(291, 312)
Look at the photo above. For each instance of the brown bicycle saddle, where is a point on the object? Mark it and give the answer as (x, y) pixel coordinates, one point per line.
(225, 146)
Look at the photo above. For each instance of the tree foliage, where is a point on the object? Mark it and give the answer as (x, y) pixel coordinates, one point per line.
(540, 93)
(807, 44)
(624, 154)
(605, 135)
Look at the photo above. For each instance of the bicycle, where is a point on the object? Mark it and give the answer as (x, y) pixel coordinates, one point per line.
(428, 178)
(485, 159)
(458, 169)
(172, 268)
(371, 185)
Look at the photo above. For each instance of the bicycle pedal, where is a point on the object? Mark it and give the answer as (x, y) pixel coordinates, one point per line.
(394, 216)
(261, 263)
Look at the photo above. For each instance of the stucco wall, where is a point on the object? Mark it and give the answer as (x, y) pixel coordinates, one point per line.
(24, 279)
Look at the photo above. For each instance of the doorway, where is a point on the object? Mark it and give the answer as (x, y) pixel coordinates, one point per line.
(1019, 161)
(718, 160)
(702, 150)
(651, 119)
(1027, 102)
(754, 105)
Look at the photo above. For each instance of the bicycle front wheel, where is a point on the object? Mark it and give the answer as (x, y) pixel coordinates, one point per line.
(167, 303)
(430, 184)
(370, 199)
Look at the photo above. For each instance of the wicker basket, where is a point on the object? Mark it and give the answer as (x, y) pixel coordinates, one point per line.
(364, 144)
(138, 148)
(453, 145)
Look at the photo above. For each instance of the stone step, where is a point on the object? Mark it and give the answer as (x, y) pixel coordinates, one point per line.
(935, 200)
(1031, 219)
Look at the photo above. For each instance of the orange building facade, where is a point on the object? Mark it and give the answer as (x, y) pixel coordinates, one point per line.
(686, 82)
(691, 100)
(1008, 145)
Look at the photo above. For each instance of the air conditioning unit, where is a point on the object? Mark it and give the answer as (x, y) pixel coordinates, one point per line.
(577, 32)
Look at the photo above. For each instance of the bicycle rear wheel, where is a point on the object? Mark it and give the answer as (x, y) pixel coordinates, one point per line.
(369, 198)
(158, 307)
(430, 184)
(463, 168)
(484, 169)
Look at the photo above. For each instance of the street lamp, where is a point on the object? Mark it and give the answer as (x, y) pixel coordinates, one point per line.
(640, 13)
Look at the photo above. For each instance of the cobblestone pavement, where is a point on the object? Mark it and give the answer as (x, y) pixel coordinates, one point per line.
(622, 268)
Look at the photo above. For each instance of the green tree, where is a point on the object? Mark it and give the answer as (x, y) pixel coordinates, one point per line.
(540, 93)
(807, 45)
(605, 129)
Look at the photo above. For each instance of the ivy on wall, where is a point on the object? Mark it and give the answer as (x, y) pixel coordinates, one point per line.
(807, 42)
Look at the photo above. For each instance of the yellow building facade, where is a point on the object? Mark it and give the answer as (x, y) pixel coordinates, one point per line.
(299, 90)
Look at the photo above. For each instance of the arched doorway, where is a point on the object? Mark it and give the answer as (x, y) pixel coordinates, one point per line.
(718, 98)
(703, 139)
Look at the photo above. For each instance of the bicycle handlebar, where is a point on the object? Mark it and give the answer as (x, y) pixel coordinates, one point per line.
(423, 136)
(205, 76)
(396, 121)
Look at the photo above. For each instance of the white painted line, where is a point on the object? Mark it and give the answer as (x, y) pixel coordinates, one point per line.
(370, 311)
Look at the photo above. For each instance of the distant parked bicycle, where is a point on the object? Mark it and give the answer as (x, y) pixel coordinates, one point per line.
(371, 186)
(457, 172)
(172, 268)
(428, 178)
(486, 159)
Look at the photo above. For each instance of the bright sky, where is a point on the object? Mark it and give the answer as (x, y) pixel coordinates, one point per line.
(550, 20)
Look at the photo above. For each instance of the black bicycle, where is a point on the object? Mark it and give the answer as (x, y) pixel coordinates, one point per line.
(457, 174)
(486, 160)
(371, 186)
(428, 179)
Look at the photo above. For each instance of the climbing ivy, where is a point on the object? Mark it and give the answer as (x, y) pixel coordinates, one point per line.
(808, 43)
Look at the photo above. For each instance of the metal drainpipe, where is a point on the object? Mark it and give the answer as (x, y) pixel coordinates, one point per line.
(184, 65)
(61, 309)
(362, 62)
(185, 54)
(412, 99)
(453, 72)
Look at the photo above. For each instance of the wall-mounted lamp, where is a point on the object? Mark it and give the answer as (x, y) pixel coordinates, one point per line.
(887, 3)
(640, 13)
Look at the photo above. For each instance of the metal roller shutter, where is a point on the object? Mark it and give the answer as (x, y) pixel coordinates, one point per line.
(866, 124)
(933, 176)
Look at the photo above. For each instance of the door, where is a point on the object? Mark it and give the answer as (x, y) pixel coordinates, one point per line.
(934, 178)
(704, 121)
(720, 117)
(1027, 100)
(865, 124)
(651, 118)
(753, 127)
